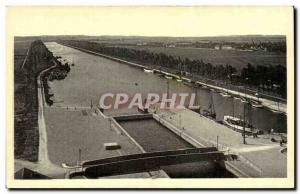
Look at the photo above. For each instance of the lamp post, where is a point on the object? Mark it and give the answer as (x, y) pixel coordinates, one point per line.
(244, 119)
(168, 88)
(168, 91)
(79, 156)
(179, 119)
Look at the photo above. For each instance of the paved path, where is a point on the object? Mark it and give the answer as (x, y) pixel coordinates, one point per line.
(256, 148)
(43, 159)
(260, 153)
(43, 152)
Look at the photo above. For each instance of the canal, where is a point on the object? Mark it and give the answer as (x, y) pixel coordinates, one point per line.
(92, 76)
(153, 136)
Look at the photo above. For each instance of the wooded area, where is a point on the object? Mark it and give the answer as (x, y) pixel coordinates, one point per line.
(271, 78)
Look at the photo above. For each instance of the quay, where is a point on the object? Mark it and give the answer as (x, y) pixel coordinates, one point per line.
(258, 158)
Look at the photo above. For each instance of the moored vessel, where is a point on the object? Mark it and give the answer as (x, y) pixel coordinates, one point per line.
(238, 125)
(168, 77)
(148, 70)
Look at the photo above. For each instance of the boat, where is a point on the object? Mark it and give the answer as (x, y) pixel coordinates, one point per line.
(148, 70)
(168, 77)
(237, 124)
(243, 100)
(225, 95)
(195, 108)
(256, 104)
(276, 111)
(178, 78)
(210, 112)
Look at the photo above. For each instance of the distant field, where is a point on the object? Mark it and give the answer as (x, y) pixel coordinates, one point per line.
(162, 39)
(237, 59)
(25, 139)
(20, 50)
(26, 134)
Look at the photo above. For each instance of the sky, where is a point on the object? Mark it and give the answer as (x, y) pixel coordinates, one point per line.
(149, 21)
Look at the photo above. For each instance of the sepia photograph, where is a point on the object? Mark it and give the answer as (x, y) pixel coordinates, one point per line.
(150, 97)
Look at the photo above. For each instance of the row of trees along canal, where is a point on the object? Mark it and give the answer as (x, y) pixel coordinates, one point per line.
(265, 79)
(58, 73)
(26, 135)
(268, 46)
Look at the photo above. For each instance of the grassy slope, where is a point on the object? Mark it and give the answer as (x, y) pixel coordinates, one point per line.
(25, 98)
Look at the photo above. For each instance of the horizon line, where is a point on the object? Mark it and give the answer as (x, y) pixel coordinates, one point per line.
(154, 35)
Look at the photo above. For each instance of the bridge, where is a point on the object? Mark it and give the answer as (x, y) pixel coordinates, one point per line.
(145, 162)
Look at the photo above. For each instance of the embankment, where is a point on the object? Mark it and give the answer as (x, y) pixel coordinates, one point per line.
(26, 134)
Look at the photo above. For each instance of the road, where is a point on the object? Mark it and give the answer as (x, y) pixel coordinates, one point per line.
(43, 158)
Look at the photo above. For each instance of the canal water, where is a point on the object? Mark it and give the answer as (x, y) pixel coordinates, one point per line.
(153, 136)
(92, 76)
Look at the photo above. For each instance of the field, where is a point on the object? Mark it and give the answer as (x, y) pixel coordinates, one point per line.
(237, 59)
(20, 50)
(25, 96)
(165, 39)
(25, 126)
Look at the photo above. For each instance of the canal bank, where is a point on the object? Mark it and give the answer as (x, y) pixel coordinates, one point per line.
(259, 157)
